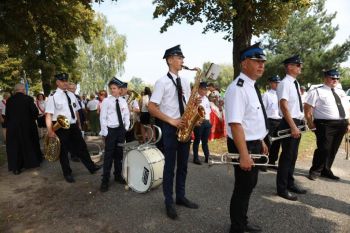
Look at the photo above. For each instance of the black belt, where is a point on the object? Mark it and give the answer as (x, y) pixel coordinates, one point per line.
(340, 121)
(271, 119)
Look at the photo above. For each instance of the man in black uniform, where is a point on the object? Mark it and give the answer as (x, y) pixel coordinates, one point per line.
(63, 102)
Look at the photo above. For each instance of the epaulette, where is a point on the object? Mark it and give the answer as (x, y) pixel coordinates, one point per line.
(52, 93)
(240, 82)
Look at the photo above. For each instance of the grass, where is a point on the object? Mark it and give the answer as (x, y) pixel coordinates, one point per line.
(306, 147)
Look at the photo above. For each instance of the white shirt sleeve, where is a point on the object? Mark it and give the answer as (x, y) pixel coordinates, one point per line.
(126, 116)
(235, 105)
(311, 98)
(158, 92)
(265, 100)
(103, 117)
(50, 105)
(283, 91)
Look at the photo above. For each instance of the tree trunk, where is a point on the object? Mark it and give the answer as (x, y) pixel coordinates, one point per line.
(242, 31)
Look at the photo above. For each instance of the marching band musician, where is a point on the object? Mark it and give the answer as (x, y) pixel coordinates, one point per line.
(246, 129)
(167, 103)
(63, 102)
(291, 109)
(270, 101)
(115, 120)
(327, 110)
(201, 133)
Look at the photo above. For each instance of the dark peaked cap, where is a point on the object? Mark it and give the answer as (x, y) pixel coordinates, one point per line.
(275, 79)
(174, 51)
(116, 81)
(332, 73)
(253, 52)
(62, 76)
(295, 59)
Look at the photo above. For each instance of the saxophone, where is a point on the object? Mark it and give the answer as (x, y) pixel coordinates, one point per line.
(52, 146)
(194, 113)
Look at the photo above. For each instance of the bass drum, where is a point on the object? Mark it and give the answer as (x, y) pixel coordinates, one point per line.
(143, 169)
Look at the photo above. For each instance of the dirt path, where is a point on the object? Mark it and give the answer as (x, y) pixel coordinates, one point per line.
(39, 200)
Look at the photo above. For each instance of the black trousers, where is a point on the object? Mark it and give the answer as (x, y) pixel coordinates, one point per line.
(329, 134)
(73, 142)
(201, 133)
(288, 158)
(245, 181)
(176, 155)
(113, 153)
(274, 147)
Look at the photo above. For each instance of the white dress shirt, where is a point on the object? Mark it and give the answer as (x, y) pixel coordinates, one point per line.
(165, 95)
(57, 104)
(270, 101)
(323, 102)
(92, 105)
(108, 114)
(242, 106)
(206, 105)
(286, 90)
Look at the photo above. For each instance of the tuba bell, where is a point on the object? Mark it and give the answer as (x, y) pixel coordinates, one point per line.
(52, 146)
(132, 96)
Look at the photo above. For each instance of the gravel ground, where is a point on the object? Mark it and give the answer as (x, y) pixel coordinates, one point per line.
(39, 200)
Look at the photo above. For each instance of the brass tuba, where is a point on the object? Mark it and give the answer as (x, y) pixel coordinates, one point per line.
(194, 113)
(52, 146)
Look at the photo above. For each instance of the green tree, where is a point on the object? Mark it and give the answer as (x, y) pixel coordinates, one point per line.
(309, 33)
(239, 19)
(41, 33)
(10, 69)
(136, 84)
(102, 59)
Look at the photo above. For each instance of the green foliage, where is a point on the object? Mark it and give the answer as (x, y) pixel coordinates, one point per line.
(99, 61)
(239, 19)
(137, 84)
(10, 69)
(310, 34)
(41, 33)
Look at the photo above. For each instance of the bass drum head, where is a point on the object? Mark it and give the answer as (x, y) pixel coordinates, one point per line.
(138, 169)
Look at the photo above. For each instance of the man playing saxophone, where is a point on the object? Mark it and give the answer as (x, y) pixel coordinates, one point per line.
(246, 128)
(167, 103)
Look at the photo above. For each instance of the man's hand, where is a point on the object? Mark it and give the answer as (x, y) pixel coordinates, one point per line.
(311, 125)
(51, 134)
(264, 149)
(295, 132)
(178, 123)
(245, 162)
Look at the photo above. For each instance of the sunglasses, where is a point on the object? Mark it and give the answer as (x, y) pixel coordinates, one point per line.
(334, 79)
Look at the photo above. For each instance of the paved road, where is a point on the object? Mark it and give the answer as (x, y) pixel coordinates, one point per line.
(39, 200)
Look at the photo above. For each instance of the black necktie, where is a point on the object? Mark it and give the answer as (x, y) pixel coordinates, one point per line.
(261, 104)
(299, 97)
(70, 105)
(179, 95)
(339, 105)
(119, 114)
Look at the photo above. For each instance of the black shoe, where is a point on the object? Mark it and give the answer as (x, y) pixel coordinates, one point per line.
(296, 189)
(171, 211)
(287, 195)
(187, 203)
(330, 176)
(206, 160)
(119, 179)
(263, 168)
(95, 169)
(104, 186)
(69, 178)
(75, 159)
(252, 228)
(311, 176)
(196, 161)
(17, 172)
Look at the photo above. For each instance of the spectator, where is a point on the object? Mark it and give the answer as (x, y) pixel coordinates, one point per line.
(5, 96)
(40, 104)
(92, 106)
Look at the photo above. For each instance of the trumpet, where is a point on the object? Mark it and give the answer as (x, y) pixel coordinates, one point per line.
(230, 158)
(286, 133)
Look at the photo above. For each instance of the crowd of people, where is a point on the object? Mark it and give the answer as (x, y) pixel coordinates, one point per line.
(249, 118)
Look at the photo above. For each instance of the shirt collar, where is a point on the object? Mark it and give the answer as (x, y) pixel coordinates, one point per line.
(173, 75)
(291, 78)
(247, 79)
(59, 90)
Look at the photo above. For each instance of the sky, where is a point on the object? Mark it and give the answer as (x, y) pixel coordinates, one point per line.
(146, 45)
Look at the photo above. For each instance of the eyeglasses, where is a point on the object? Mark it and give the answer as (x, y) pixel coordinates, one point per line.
(335, 79)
